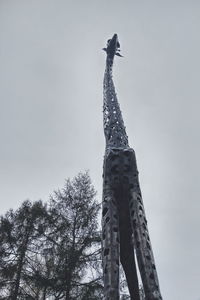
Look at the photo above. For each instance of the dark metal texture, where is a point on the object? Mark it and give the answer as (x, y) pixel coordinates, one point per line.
(124, 224)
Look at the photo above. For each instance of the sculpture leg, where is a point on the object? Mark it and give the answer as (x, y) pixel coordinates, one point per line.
(142, 240)
(110, 247)
(127, 258)
(121, 176)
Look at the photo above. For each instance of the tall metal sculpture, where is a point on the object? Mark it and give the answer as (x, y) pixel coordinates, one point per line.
(124, 224)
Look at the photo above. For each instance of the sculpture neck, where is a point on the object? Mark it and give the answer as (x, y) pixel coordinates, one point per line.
(114, 129)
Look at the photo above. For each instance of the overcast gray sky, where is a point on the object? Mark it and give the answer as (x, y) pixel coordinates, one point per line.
(51, 72)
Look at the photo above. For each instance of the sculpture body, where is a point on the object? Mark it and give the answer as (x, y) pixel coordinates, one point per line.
(124, 225)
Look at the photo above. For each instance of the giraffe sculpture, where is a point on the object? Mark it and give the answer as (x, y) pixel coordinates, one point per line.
(124, 224)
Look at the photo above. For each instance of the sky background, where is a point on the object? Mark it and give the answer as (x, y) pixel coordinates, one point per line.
(51, 73)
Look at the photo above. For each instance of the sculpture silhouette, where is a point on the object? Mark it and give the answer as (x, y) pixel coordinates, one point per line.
(124, 225)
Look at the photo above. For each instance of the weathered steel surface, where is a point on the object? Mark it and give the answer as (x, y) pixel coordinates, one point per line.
(124, 222)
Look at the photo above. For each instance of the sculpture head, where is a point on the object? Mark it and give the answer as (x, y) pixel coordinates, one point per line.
(113, 47)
